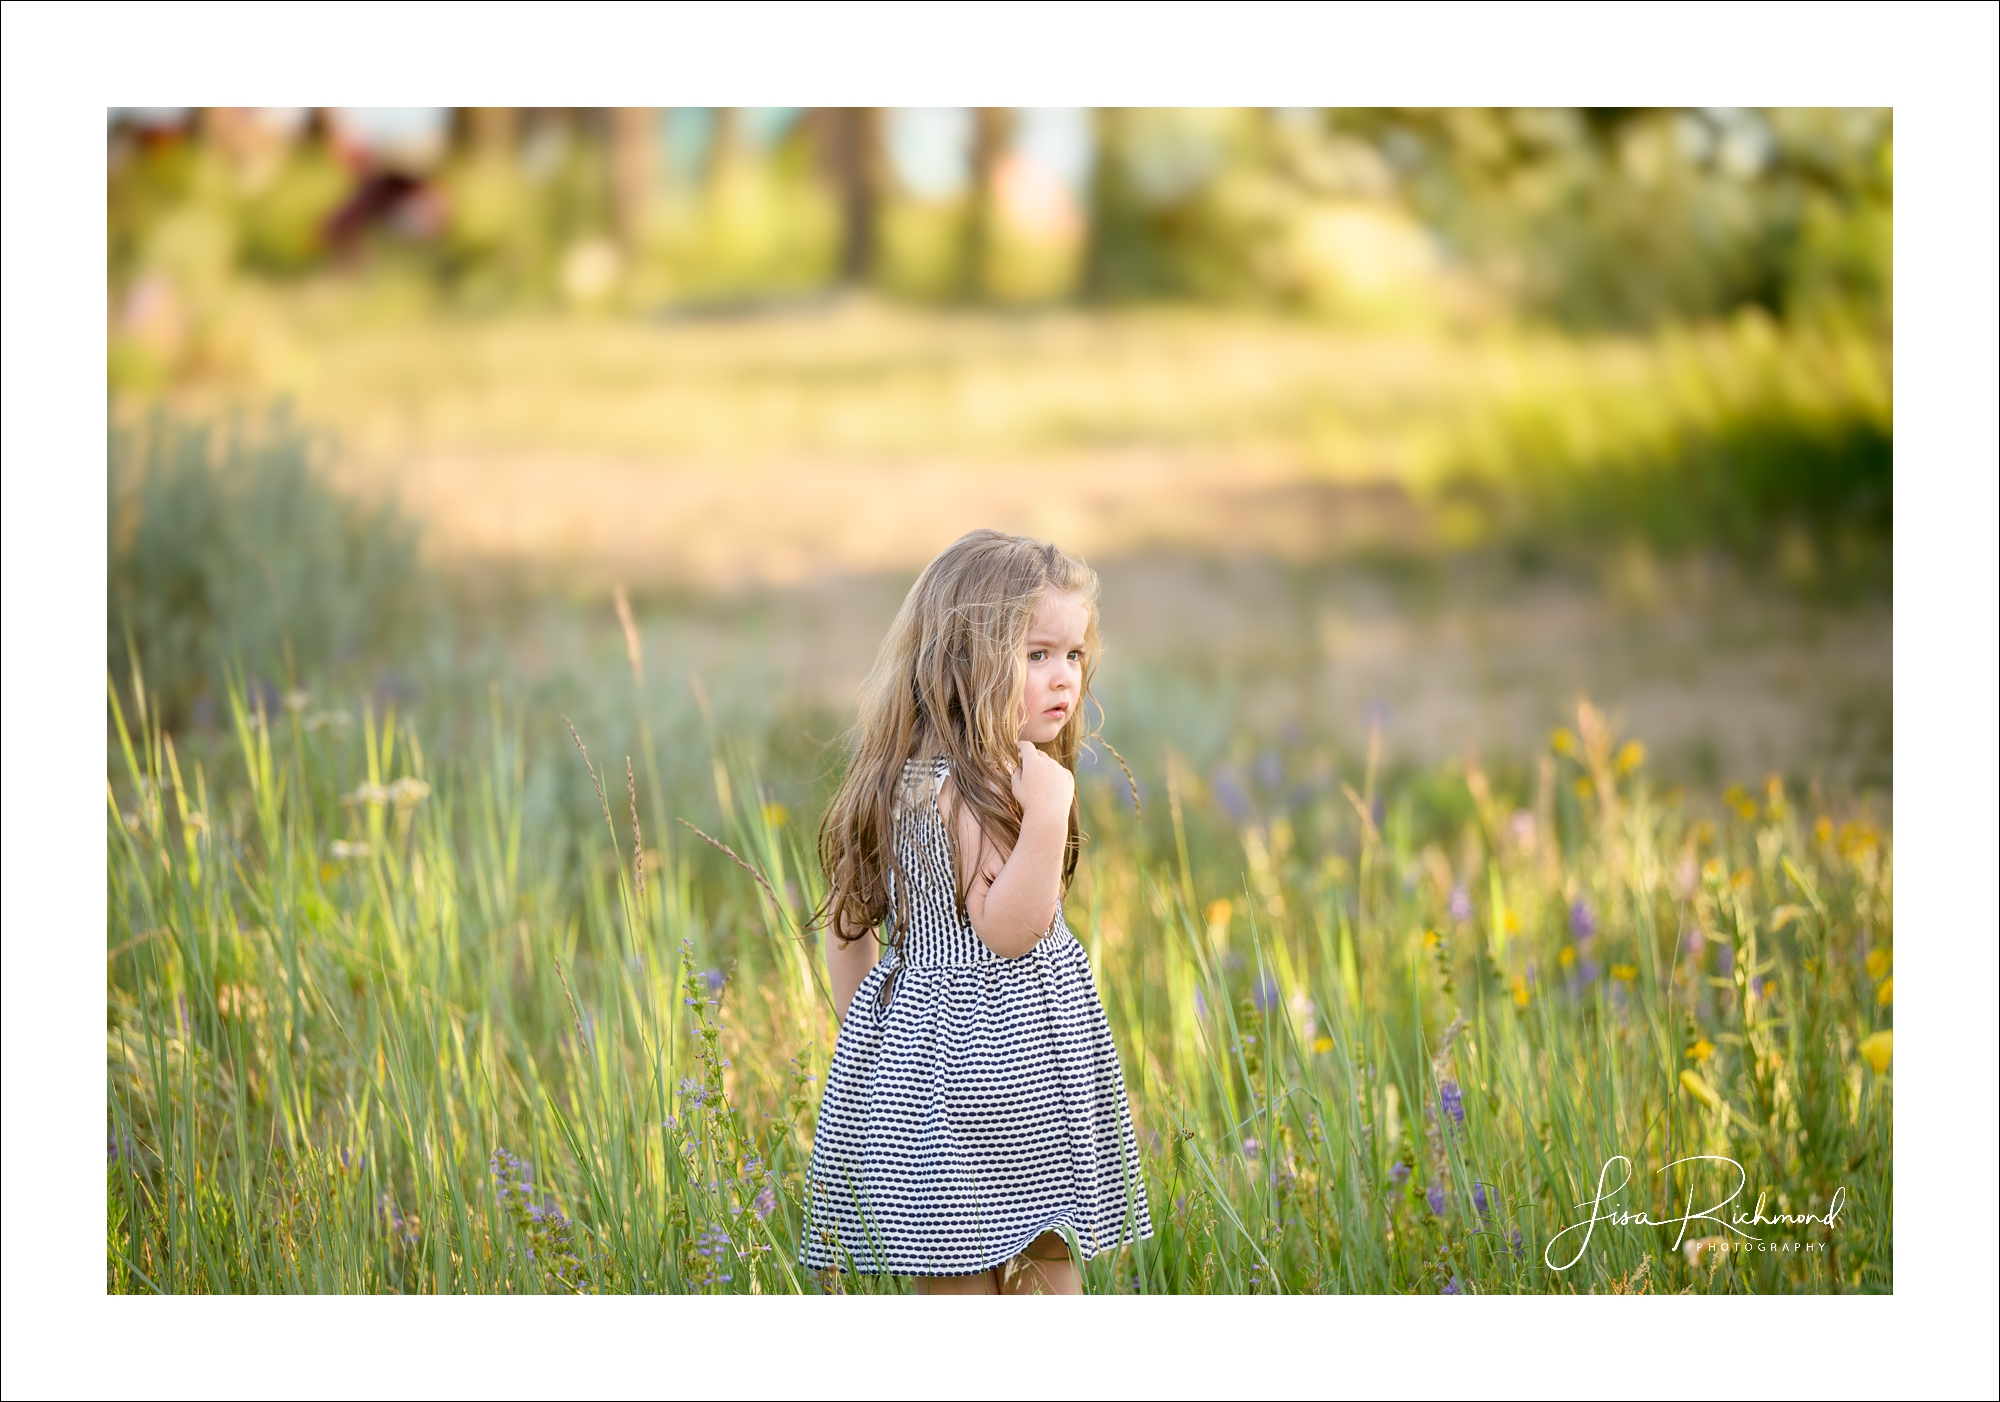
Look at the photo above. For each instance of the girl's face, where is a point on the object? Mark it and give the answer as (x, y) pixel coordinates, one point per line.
(1054, 648)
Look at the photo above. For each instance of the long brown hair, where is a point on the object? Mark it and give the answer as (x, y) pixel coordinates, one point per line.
(948, 684)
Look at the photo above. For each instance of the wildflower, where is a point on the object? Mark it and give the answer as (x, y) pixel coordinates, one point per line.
(1878, 962)
(1200, 1005)
(766, 1203)
(1453, 1101)
(1701, 1051)
(714, 978)
(1696, 1248)
(1480, 1203)
(1584, 788)
(1453, 1287)
(1566, 956)
(1625, 973)
(1323, 1044)
(1270, 769)
(1886, 994)
(1630, 756)
(1563, 740)
(1693, 1083)
(1521, 827)
(1876, 1049)
(1230, 795)
(1687, 875)
(346, 851)
(1520, 991)
(366, 793)
(406, 792)
(297, 700)
(1461, 904)
(1264, 994)
(1434, 1195)
(1589, 970)
(1582, 919)
(1251, 1148)
(1515, 1238)
(1399, 1173)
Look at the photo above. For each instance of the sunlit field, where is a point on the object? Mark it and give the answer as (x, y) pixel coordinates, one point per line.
(385, 1014)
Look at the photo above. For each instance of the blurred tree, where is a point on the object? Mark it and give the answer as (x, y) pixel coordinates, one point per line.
(634, 162)
(990, 131)
(849, 143)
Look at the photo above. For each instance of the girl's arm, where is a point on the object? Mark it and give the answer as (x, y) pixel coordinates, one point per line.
(847, 965)
(1012, 897)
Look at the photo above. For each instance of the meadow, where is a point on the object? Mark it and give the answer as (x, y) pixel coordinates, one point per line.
(458, 938)
(478, 1002)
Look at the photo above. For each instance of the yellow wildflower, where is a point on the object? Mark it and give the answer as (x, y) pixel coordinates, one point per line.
(1886, 994)
(1583, 786)
(1566, 956)
(1694, 1085)
(1219, 912)
(1430, 939)
(1563, 740)
(1876, 1049)
(1878, 963)
(1511, 922)
(1631, 755)
(1823, 829)
(776, 815)
(1322, 1044)
(1624, 973)
(1701, 1051)
(1520, 991)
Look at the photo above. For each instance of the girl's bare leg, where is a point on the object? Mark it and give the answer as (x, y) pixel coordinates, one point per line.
(1045, 1268)
(978, 1283)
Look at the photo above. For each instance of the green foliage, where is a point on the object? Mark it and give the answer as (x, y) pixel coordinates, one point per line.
(357, 988)
(229, 550)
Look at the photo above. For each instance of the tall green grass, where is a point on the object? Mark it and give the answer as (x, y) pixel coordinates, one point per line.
(374, 1026)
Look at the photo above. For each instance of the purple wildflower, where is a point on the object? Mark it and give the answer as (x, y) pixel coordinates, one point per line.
(1399, 1173)
(1461, 904)
(1265, 994)
(1480, 1202)
(766, 1204)
(1434, 1195)
(1521, 827)
(1453, 1100)
(1270, 769)
(1453, 1287)
(1251, 1148)
(714, 978)
(1582, 919)
(1516, 1239)
(1230, 795)
(1200, 1005)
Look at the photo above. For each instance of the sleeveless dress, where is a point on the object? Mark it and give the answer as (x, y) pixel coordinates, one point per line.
(983, 1106)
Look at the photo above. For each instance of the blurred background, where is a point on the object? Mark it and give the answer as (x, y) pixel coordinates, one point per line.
(1425, 420)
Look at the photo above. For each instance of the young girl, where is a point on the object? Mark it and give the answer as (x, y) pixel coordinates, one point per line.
(975, 1109)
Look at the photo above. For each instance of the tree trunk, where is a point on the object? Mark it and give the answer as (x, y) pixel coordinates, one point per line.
(634, 160)
(989, 144)
(850, 147)
(485, 133)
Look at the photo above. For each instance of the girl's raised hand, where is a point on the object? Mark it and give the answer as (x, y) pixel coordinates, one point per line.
(1042, 784)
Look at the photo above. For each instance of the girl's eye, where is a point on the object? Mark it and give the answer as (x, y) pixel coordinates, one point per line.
(1037, 655)
(1075, 655)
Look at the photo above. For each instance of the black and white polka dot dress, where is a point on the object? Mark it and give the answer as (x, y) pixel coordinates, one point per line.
(983, 1106)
